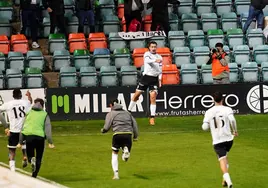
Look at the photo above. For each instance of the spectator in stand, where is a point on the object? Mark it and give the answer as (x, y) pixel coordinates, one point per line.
(85, 11)
(56, 12)
(160, 14)
(133, 10)
(29, 13)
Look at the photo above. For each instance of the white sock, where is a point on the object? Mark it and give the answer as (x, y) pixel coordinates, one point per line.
(153, 109)
(227, 166)
(115, 163)
(131, 105)
(227, 178)
(12, 165)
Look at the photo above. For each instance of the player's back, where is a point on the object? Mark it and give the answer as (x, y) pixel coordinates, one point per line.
(219, 123)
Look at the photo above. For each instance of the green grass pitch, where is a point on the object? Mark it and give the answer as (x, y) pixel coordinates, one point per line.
(173, 153)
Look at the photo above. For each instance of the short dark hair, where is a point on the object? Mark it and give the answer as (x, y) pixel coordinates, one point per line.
(219, 44)
(152, 42)
(217, 96)
(41, 101)
(114, 101)
(17, 94)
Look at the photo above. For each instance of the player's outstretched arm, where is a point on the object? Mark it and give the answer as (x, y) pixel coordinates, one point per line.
(233, 124)
(135, 129)
(108, 123)
(48, 132)
(29, 95)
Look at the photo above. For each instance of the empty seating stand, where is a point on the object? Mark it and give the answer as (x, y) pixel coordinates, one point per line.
(166, 55)
(176, 39)
(234, 72)
(4, 44)
(250, 72)
(137, 56)
(56, 42)
(235, 37)
(203, 6)
(16, 61)
(3, 63)
(209, 21)
(255, 37)
(101, 57)
(88, 77)
(241, 54)
(77, 41)
(68, 77)
(61, 58)
(33, 78)
(35, 59)
(19, 43)
(81, 58)
(189, 22)
(96, 40)
(215, 36)
(121, 57)
(14, 78)
(181, 55)
(196, 38)
(206, 74)
(170, 75)
(110, 24)
(260, 54)
(129, 76)
(116, 42)
(223, 6)
(189, 74)
(108, 76)
(5, 27)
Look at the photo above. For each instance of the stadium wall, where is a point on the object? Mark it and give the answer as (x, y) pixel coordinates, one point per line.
(181, 100)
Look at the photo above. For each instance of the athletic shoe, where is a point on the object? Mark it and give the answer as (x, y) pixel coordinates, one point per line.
(116, 176)
(230, 186)
(24, 162)
(224, 183)
(151, 121)
(33, 164)
(126, 154)
(35, 45)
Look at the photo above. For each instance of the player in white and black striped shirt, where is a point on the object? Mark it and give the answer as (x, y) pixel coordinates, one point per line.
(151, 79)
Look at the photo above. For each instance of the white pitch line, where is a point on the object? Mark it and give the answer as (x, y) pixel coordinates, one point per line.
(29, 174)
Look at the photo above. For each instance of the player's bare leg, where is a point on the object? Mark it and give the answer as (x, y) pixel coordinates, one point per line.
(224, 169)
(115, 164)
(153, 95)
(12, 153)
(24, 159)
(134, 100)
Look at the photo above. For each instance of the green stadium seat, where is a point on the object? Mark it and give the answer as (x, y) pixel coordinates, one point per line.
(215, 36)
(201, 55)
(250, 72)
(34, 78)
(16, 60)
(243, 19)
(111, 24)
(173, 22)
(229, 21)
(6, 10)
(234, 72)
(108, 76)
(260, 54)
(203, 6)
(3, 64)
(181, 55)
(206, 73)
(5, 27)
(14, 78)
(196, 38)
(56, 42)
(241, 54)
(129, 76)
(186, 7)
(72, 24)
(122, 57)
(88, 77)
(61, 58)
(235, 37)
(241, 6)
(189, 74)
(264, 71)
(101, 57)
(223, 6)
(35, 59)
(209, 21)
(176, 39)
(189, 22)
(81, 58)
(255, 37)
(68, 77)
(116, 42)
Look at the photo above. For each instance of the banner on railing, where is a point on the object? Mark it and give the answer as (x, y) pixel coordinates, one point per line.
(140, 35)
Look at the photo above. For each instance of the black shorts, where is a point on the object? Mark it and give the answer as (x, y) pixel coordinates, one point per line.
(13, 140)
(223, 148)
(146, 82)
(122, 140)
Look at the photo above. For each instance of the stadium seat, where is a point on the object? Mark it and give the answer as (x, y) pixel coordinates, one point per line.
(96, 40)
(108, 76)
(72, 24)
(101, 57)
(229, 21)
(106, 7)
(6, 10)
(68, 6)
(206, 73)
(14, 78)
(129, 76)
(19, 43)
(3, 64)
(173, 22)
(196, 38)
(2, 81)
(16, 60)
(264, 71)
(5, 27)
(189, 74)
(166, 55)
(250, 72)
(209, 21)
(255, 37)
(160, 40)
(77, 41)
(35, 59)
(201, 55)
(181, 55)
(186, 7)
(241, 6)
(4, 44)
(260, 54)
(46, 26)
(235, 37)
(203, 6)
(111, 24)
(147, 22)
(170, 75)
(215, 36)
(120, 9)
(88, 77)
(241, 54)
(116, 42)
(234, 72)
(189, 22)
(137, 43)
(122, 57)
(226, 49)
(33, 78)
(243, 19)
(56, 42)
(68, 77)
(223, 6)
(137, 56)
(176, 39)
(61, 58)
(81, 58)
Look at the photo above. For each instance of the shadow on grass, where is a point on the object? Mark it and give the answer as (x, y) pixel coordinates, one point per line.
(141, 176)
